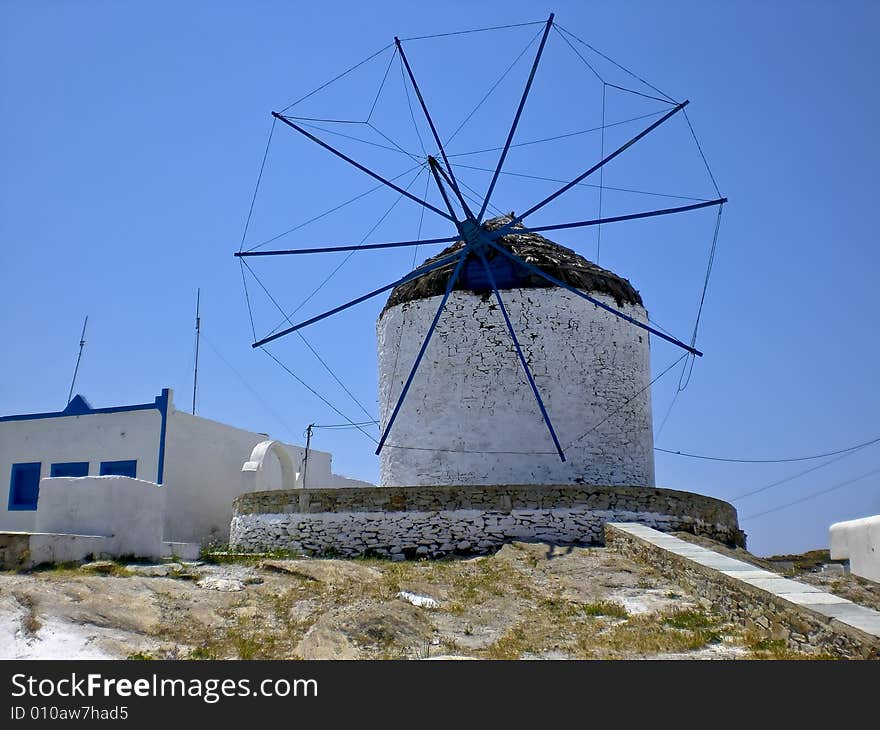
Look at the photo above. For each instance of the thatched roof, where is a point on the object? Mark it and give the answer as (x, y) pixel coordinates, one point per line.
(558, 261)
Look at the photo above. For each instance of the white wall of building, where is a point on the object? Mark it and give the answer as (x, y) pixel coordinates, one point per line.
(203, 463)
(201, 469)
(470, 396)
(128, 511)
(93, 438)
(858, 541)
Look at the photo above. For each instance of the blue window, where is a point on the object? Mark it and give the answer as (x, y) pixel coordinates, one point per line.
(24, 486)
(119, 468)
(70, 469)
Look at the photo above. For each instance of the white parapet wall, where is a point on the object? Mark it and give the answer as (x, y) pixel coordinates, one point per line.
(128, 512)
(858, 541)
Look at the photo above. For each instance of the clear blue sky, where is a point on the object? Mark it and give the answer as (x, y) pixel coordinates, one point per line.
(132, 135)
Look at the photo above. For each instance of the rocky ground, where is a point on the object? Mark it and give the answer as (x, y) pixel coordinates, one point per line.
(528, 601)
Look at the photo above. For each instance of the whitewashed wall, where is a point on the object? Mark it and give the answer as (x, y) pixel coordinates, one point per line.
(129, 512)
(859, 542)
(471, 395)
(203, 461)
(94, 438)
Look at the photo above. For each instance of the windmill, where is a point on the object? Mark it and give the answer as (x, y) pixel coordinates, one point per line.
(480, 246)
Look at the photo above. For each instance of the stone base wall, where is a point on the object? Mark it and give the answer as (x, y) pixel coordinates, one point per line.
(761, 610)
(410, 522)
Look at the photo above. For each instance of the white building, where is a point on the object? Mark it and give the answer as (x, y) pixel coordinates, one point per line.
(470, 416)
(199, 466)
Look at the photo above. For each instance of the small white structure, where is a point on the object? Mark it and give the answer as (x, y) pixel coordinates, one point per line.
(117, 471)
(859, 541)
(470, 416)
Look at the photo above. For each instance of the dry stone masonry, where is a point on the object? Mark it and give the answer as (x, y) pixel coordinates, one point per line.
(412, 522)
(805, 617)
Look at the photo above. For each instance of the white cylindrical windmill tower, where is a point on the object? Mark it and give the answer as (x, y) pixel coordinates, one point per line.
(470, 416)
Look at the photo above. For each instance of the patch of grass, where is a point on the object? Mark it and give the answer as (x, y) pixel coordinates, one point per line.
(65, 567)
(223, 555)
(612, 609)
(512, 645)
(762, 647)
(30, 624)
(140, 656)
(182, 572)
(689, 619)
(202, 652)
(644, 635)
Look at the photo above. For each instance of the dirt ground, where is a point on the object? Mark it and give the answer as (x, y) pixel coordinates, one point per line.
(528, 601)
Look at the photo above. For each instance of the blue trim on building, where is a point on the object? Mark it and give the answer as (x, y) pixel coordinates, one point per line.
(83, 409)
(162, 405)
(79, 406)
(124, 468)
(69, 469)
(23, 469)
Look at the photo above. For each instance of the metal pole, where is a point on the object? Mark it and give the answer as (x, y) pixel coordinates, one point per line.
(522, 357)
(359, 166)
(352, 247)
(409, 277)
(412, 78)
(601, 163)
(552, 279)
(198, 333)
(412, 373)
(82, 342)
(306, 456)
(522, 103)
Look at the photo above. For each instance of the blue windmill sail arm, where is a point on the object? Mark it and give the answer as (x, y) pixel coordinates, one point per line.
(597, 302)
(522, 358)
(412, 373)
(352, 247)
(359, 166)
(453, 182)
(519, 110)
(409, 277)
(604, 161)
(620, 218)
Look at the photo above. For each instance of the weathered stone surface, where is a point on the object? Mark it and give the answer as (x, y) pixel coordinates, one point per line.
(408, 522)
(782, 609)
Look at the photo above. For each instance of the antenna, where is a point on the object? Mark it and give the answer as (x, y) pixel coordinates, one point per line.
(82, 343)
(198, 333)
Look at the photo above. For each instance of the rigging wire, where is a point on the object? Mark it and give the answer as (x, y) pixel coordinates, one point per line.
(334, 209)
(412, 114)
(473, 30)
(317, 394)
(336, 78)
(791, 478)
(494, 86)
(731, 460)
(541, 178)
(357, 139)
(611, 60)
(247, 222)
(577, 53)
(254, 392)
(346, 425)
(564, 135)
(813, 495)
(382, 85)
(350, 253)
(626, 402)
(700, 148)
(309, 345)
